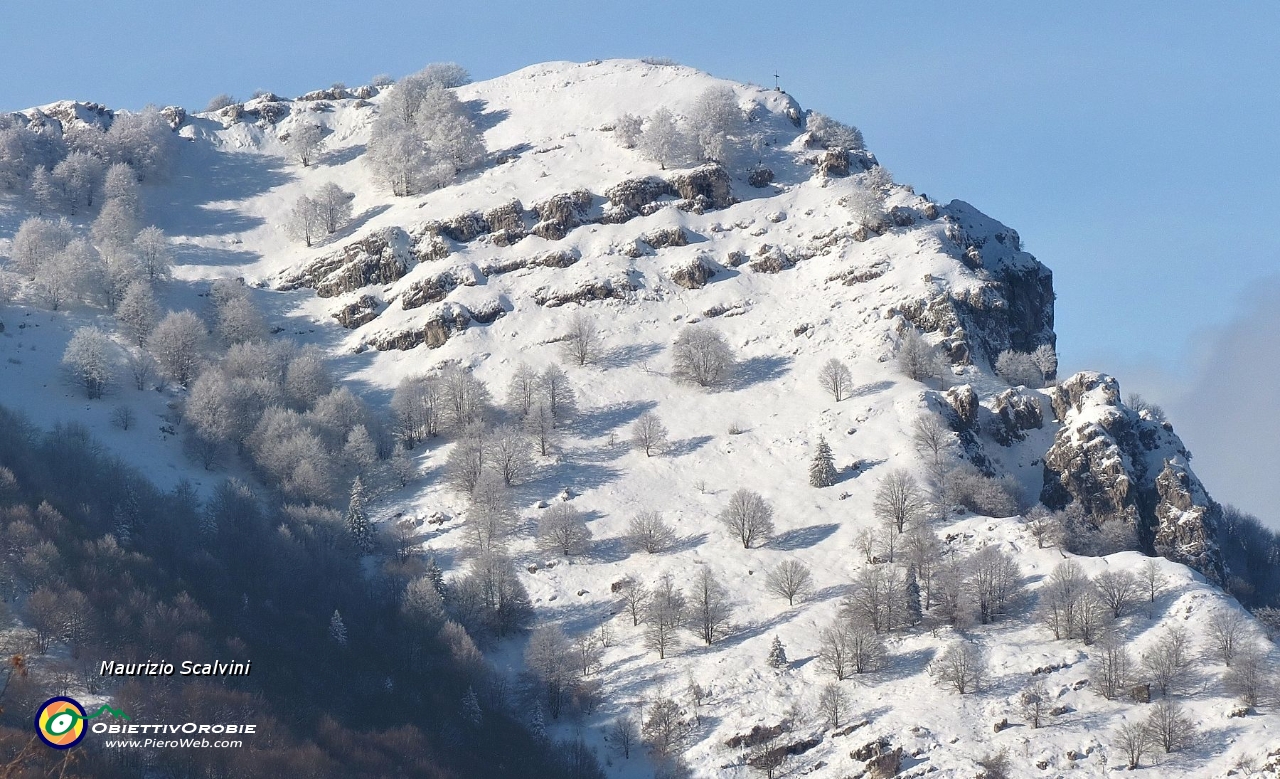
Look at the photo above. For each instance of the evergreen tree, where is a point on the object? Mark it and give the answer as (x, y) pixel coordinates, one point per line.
(822, 472)
(471, 706)
(357, 520)
(435, 575)
(777, 654)
(337, 630)
(914, 613)
(537, 723)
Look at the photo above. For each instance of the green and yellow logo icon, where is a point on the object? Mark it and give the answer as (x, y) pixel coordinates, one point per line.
(60, 722)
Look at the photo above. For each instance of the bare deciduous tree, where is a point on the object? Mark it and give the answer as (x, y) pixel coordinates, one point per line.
(919, 359)
(648, 532)
(1170, 727)
(790, 579)
(898, 500)
(702, 356)
(1226, 630)
(562, 530)
(635, 598)
(833, 704)
(1133, 739)
(623, 735)
(708, 607)
(666, 729)
(962, 667)
(663, 614)
(1169, 663)
(649, 434)
(1111, 672)
(1152, 578)
(583, 343)
(304, 142)
(1034, 703)
(748, 517)
(836, 378)
(994, 581)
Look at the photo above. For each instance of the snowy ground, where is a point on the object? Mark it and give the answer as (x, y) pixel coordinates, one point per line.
(224, 204)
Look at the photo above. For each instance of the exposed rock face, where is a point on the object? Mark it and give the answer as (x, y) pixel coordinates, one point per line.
(380, 258)
(506, 222)
(693, 274)
(760, 177)
(1015, 411)
(450, 318)
(709, 181)
(832, 163)
(432, 289)
(358, 312)
(603, 289)
(1117, 464)
(964, 401)
(635, 194)
(559, 214)
(667, 236)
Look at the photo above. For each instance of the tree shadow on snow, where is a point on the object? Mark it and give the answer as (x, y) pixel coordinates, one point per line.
(605, 418)
(802, 537)
(827, 593)
(757, 370)
(342, 156)
(485, 120)
(687, 445)
(911, 663)
(631, 354)
(870, 389)
(609, 550)
(203, 176)
(689, 543)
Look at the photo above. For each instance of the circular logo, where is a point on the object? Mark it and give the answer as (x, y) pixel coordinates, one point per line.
(60, 722)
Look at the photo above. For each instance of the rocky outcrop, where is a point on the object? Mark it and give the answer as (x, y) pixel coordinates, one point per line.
(771, 259)
(694, 273)
(1015, 412)
(506, 223)
(666, 236)
(635, 194)
(1187, 520)
(602, 289)
(963, 400)
(833, 163)
(358, 312)
(432, 289)
(449, 319)
(760, 177)
(1117, 464)
(710, 182)
(559, 214)
(379, 258)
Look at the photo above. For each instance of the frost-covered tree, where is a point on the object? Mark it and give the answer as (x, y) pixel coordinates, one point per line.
(399, 158)
(1060, 598)
(962, 667)
(1133, 739)
(628, 130)
(304, 142)
(836, 379)
(664, 612)
(337, 629)
(506, 451)
(219, 102)
(828, 133)
(424, 135)
(490, 518)
(777, 654)
(702, 356)
(305, 222)
(649, 434)
(522, 390)
(931, 438)
(635, 598)
(121, 183)
(748, 517)
(67, 276)
(471, 707)
(1170, 727)
(116, 226)
(708, 607)
(919, 359)
(822, 471)
(540, 425)
(88, 358)
(790, 579)
(10, 286)
(717, 120)
(154, 254)
(899, 500)
(1251, 676)
(649, 532)
(178, 343)
(665, 141)
(448, 131)
(550, 676)
(1019, 369)
(359, 528)
(239, 321)
(307, 378)
(866, 206)
(37, 242)
(666, 729)
(466, 398)
(334, 204)
(78, 177)
(1227, 629)
(583, 343)
(1046, 359)
(417, 405)
(142, 140)
(562, 530)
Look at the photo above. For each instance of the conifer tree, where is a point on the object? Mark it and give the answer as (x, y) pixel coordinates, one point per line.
(912, 588)
(777, 654)
(435, 575)
(357, 520)
(471, 706)
(822, 471)
(537, 723)
(337, 630)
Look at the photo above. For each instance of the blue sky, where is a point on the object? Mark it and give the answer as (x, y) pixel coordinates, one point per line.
(1132, 145)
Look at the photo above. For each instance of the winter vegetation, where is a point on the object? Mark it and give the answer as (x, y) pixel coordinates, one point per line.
(472, 460)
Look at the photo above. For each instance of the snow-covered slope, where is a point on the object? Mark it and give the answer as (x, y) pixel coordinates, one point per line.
(488, 271)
